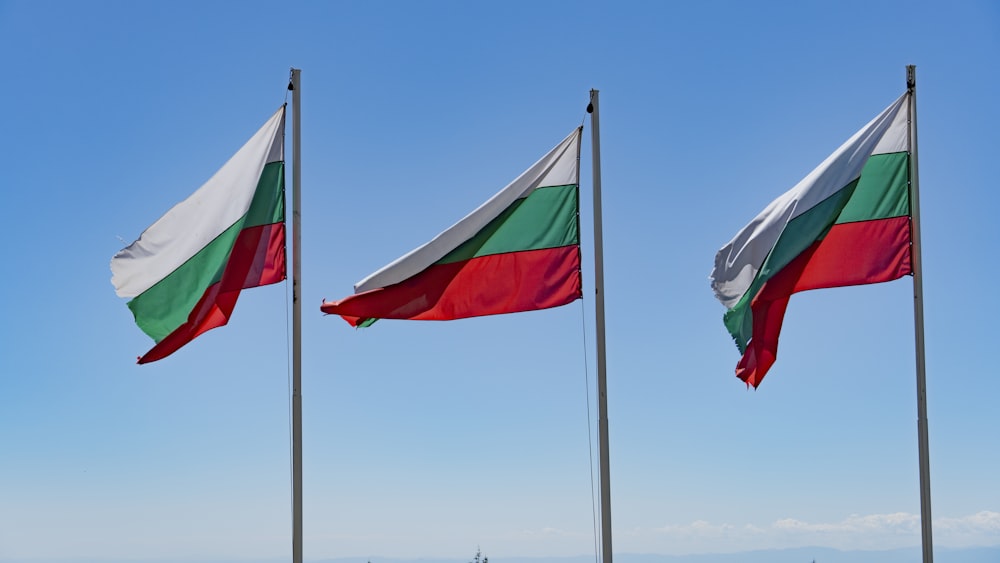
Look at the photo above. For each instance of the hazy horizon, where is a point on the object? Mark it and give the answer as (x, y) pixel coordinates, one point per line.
(791, 555)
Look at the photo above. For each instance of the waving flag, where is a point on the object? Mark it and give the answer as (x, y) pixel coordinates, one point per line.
(185, 272)
(846, 223)
(519, 251)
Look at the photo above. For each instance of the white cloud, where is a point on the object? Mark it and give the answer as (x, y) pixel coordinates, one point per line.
(981, 528)
(549, 531)
(872, 531)
(896, 523)
(701, 528)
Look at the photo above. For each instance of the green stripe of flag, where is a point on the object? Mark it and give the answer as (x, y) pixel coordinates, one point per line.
(883, 191)
(547, 218)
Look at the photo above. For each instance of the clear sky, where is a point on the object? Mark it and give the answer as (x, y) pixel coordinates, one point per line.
(428, 439)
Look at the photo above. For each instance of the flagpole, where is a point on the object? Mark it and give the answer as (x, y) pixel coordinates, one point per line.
(918, 326)
(295, 86)
(602, 380)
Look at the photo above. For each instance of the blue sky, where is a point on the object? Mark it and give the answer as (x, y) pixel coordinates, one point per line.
(428, 439)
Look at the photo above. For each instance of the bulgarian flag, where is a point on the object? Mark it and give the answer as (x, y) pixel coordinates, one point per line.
(846, 223)
(187, 269)
(519, 251)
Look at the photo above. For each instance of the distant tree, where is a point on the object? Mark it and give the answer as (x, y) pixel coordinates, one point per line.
(479, 557)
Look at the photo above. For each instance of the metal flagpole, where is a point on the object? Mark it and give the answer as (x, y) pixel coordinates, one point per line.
(918, 325)
(295, 86)
(602, 380)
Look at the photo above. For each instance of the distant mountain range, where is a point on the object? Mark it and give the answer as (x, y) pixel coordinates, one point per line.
(797, 555)
(822, 555)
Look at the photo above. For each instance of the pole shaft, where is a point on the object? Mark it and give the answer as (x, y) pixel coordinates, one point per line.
(296, 316)
(602, 380)
(918, 326)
